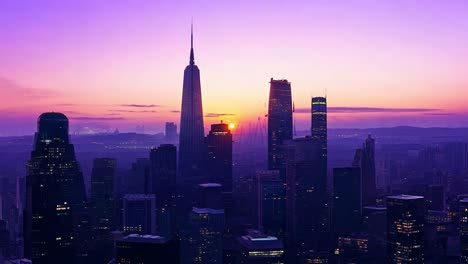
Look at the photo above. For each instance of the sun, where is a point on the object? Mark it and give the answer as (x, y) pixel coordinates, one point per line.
(232, 126)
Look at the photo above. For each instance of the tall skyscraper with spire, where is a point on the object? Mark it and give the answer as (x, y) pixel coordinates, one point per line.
(191, 141)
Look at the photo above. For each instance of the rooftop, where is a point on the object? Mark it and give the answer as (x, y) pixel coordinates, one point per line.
(405, 197)
(144, 239)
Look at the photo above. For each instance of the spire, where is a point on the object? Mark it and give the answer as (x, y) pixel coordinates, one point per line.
(192, 57)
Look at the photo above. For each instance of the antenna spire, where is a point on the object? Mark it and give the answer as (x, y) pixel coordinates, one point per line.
(192, 56)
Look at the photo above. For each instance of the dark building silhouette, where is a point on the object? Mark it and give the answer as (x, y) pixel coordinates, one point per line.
(280, 121)
(271, 203)
(139, 214)
(171, 131)
(435, 197)
(202, 239)
(55, 196)
(102, 208)
(346, 200)
(191, 139)
(146, 249)
(374, 221)
(464, 230)
(369, 191)
(219, 155)
(137, 180)
(259, 248)
(307, 201)
(163, 163)
(405, 229)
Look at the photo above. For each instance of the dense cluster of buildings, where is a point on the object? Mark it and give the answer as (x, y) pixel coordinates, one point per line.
(180, 204)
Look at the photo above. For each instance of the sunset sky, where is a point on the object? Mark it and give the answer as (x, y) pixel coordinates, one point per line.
(119, 64)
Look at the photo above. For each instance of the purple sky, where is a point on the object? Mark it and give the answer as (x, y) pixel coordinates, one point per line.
(389, 62)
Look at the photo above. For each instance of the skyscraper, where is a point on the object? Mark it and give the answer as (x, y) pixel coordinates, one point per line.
(280, 121)
(171, 131)
(464, 230)
(102, 208)
(307, 196)
(55, 195)
(163, 163)
(202, 240)
(319, 120)
(271, 200)
(405, 229)
(346, 200)
(139, 214)
(191, 139)
(219, 158)
(369, 192)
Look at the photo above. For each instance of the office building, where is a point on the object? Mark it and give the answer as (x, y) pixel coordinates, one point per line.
(55, 196)
(463, 230)
(102, 208)
(271, 203)
(346, 200)
(405, 229)
(146, 249)
(163, 165)
(280, 121)
(219, 155)
(259, 248)
(139, 214)
(171, 131)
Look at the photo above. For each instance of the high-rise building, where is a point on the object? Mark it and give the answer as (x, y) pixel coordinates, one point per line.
(102, 208)
(464, 230)
(271, 203)
(139, 214)
(55, 196)
(346, 200)
(259, 248)
(191, 138)
(405, 229)
(319, 120)
(307, 198)
(219, 156)
(280, 121)
(202, 240)
(369, 191)
(171, 131)
(163, 164)
(146, 249)
(435, 197)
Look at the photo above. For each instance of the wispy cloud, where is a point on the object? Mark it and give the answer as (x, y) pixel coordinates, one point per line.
(141, 105)
(218, 114)
(88, 118)
(174, 111)
(346, 109)
(132, 111)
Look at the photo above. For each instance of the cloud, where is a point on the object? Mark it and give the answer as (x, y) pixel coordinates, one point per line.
(88, 118)
(132, 111)
(11, 90)
(174, 111)
(345, 109)
(140, 105)
(217, 115)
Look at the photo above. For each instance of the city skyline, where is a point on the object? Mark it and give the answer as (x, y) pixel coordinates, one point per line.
(110, 66)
